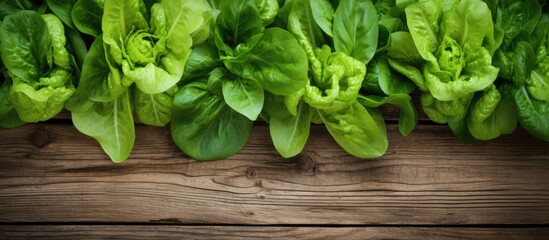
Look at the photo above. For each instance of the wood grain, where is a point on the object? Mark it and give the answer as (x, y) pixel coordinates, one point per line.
(69, 232)
(51, 173)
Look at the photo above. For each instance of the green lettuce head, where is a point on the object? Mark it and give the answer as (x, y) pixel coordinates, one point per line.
(456, 41)
(524, 60)
(33, 51)
(143, 42)
(152, 51)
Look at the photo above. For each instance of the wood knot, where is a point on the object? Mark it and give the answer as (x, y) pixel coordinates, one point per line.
(251, 173)
(306, 164)
(40, 138)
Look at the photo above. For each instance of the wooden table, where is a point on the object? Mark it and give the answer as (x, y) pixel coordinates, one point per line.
(56, 183)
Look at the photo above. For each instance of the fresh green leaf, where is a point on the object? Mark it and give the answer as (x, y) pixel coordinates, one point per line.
(243, 95)
(26, 45)
(8, 7)
(339, 87)
(237, 21)
(63, 10)
(423, 21)
(290, 133)
(323, 14)
(8, 114)
(533, 114)
(408, 118)
(359, 131)
(268, 9)
(87, 16)
(111, 124)
(468, 22)
(154, 109)
(204, 127)
(203, 59)
(277, 61)
(99, 83)
(538, 82)
(356, 29)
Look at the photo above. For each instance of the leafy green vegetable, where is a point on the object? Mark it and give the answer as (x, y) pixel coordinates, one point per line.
(203, 126)
(226, 85)
(87, 16)
(154, 109)
(452, 64)
(395, 51)
(143, 42)
(63, 10)
(33, 51)
(523, 58)
(8, 114)
(335, 78)
(289, 131)
(8, 7)
(111, 124)
(354, 31)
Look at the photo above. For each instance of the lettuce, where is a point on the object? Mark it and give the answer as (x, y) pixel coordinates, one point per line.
(524, 60)
(335, 79)
(39, 73)
(230, 77)
(135, 64)
(455, 42)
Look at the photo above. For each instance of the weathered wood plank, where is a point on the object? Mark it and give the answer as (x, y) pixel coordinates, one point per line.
(255, 232)
(51, 173)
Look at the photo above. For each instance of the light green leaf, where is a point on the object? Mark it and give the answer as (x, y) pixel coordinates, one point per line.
(538, 83)
(408, 118)
(323, 14)
(154, 109)
(243, 95)
(111, 124)
(120, 18)
(26, 45)
(309, 34)
(268, 9)
(34, 104)
(343, 76)
(58, 41)
(490, 115)
(477, 74)
(290, 133)
(277, 61)
(358, 131)
(468, 23)
(423, 21)
(356, 29)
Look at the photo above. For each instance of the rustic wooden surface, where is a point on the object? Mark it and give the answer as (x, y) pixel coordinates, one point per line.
(72, 232)
(56, 183)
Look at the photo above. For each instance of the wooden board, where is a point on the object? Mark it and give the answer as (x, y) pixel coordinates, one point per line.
(50, 173)
(71, 232)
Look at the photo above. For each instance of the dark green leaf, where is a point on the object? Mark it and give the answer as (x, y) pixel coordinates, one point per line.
(204, 127)
(63, 9)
